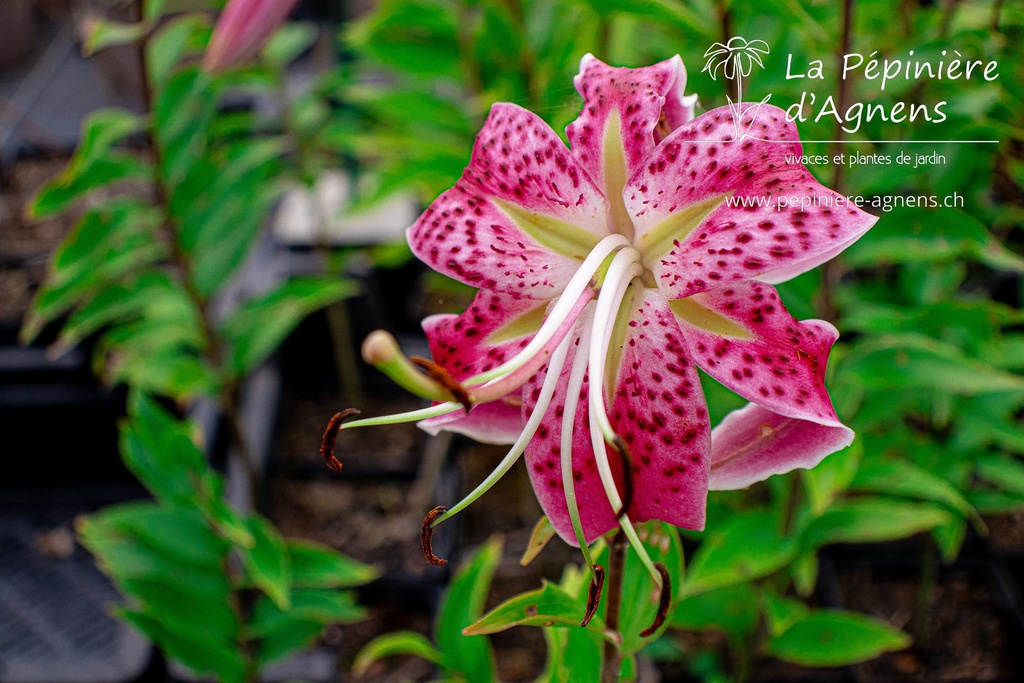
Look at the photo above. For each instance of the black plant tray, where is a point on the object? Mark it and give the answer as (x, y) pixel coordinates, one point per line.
(54, 602)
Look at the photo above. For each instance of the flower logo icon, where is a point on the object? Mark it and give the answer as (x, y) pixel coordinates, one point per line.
(736, 60)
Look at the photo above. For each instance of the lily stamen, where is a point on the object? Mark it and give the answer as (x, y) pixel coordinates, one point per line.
(546, 392)
(624, 268)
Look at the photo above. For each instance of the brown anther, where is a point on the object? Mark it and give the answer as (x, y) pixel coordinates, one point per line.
(428, 533)
(594, 594)
(444, 378)
(663, 602)
(331, 437)
(662, 129)
(627, 475)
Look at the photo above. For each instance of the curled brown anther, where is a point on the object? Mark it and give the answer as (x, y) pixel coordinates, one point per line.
(627, 475)
(594, 594)
(663, 601)
(444, 378)
(427, 534)
(331, 437)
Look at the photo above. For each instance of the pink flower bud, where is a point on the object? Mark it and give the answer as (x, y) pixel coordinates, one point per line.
(242, 29)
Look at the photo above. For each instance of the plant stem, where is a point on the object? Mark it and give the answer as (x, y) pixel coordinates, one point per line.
(213, 347)
(925, 593)
(613, 593)
(830, 271)
(725, 18)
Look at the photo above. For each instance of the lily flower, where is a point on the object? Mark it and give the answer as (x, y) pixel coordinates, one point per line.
(242, 29)
(608, 273)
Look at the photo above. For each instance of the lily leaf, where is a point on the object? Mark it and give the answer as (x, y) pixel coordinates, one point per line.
(835, 638)
(746, 547)
(546, 606)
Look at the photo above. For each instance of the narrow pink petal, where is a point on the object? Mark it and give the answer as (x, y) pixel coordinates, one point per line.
(520, 179)
(639, 98)
(543, 456)
(693, 167)
(242, 29)
(496, 422)
(781, 366)
(659, 410)
(471, 342)
(753, 443)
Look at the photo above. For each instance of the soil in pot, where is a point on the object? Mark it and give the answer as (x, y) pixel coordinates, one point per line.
(961, 635)
(25, 245)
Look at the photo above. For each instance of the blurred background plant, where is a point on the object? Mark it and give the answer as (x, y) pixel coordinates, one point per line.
(927, 370)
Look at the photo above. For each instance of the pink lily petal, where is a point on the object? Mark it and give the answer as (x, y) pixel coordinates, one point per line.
(660, 412)
(691, 237)
(495, 422)
(521, 218)
(658, 409)
(489, 332)
(241, 31)
(753, 443)
(744, 337)
(543, 455)
(638, 99)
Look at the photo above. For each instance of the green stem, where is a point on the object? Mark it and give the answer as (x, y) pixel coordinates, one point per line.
(613, 595)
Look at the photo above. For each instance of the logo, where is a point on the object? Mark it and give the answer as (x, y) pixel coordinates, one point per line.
(736, 60)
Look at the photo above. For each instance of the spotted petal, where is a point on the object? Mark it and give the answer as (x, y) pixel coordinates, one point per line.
(489, 332)
(625, 113)
(658, 409)
(744, 337)
(521, 218)
(543, 454)
(753, 443)
(706, 207)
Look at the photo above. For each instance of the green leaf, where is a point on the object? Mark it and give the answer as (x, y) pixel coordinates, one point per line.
(179, 533)
(254, 330)
(159, 451)
(298, 636)
(1004, 472)
(419, 37)
(546, 606)
(831, 477)
(539, 537)
(77, 180)
(393, 644)
(165, 371)
(746, 547)
(574, 654)
(182, 114)
(904, 478)
(178, 36)
(911, 361)
(782, 613)
(185, 611)
(318, 566)
(266, 562)
(924, 235)
(195, 652)
(290, 41)
(123, 557)
(314, 605)
(104, 33)
(835, 638)
(872, 520)
(462, 605)
(731, 609)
